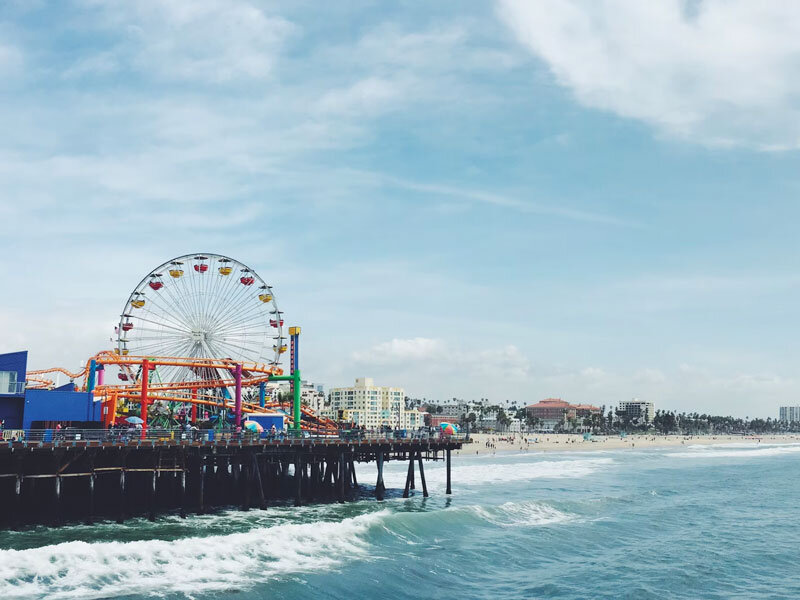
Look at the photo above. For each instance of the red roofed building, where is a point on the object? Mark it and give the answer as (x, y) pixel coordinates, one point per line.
(551, 412)
(555, 411)
(586, 410)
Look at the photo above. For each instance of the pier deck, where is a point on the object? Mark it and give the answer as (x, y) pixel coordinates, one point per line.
(70, 476)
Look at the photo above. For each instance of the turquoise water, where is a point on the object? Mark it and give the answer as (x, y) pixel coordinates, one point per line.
(698, 522)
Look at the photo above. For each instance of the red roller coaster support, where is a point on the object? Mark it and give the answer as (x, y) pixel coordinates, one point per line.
(237, 373)
(143, 402)
(194, 407)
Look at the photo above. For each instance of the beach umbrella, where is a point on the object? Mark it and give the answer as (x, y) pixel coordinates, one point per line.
(444, 425)
(253, 426)
(450, 429)
(134, 420)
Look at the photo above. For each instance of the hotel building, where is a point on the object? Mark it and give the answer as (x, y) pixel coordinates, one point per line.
(372, 406)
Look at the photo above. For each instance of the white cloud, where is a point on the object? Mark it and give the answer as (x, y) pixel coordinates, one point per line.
(365, 97)
(213, 41)
(435, 356)
(398, 350)
(726, 72)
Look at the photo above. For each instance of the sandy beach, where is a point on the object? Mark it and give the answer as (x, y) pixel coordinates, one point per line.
(485, 443)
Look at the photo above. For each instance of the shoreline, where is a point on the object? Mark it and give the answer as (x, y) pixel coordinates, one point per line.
(569, 442)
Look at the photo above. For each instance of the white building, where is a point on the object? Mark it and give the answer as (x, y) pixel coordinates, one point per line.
(790, 414)
(372, 406)
(311, 395)
(637, 411)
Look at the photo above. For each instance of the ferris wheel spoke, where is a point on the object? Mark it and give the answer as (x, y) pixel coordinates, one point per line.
(186, 290)
(253, 320)
(166, 313)
(162, 338)
(236, 294)
(257, 330)
(175, 289)
(157, 302)
(175, 310)
(226, 306)
(256, 314)
(240, 347)
(160, 345)
(157, 323)
(159, 333)
(157, 318)
(243, 301)
(219, 293)
(217, 350)
(196, 289)
(209, 291)
(225, 298)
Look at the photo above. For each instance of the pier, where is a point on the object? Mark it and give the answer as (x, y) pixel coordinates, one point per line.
(53, 478)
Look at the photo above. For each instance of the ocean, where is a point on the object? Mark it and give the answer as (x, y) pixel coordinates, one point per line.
(696, 522)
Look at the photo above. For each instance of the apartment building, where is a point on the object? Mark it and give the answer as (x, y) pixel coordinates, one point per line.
(372, 406)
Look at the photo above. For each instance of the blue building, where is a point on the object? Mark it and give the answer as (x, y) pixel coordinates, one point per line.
(21, 408)
(12, 388)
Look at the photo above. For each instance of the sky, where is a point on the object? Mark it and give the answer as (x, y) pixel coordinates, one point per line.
(508, 200)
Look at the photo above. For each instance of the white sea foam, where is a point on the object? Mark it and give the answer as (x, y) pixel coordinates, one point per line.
(109, 569)
(745, 452)
(753, 444)
(521, 514)
(476, 474)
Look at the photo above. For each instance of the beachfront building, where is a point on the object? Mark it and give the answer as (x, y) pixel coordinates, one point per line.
(586, 410)
(790, 414)
(555, 412)
(636, 411)
(551, 412)
(372, 406)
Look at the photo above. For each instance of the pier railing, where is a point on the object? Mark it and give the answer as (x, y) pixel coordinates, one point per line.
(180, 435)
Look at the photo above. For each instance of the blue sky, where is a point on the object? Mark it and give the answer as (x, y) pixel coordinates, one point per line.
(513, 200)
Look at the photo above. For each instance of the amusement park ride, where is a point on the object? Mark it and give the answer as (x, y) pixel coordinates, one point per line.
(200, 337)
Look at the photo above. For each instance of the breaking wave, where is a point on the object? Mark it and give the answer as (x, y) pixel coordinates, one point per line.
(521, 514)
(111, 569)
(731, 451)
(218, 563)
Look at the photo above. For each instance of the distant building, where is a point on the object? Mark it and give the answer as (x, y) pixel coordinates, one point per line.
(551, 412)
(636, 411)
(372, 406)
(311, 395)
(454, 409)
(586, 410)
(555, 411)
(790, 414)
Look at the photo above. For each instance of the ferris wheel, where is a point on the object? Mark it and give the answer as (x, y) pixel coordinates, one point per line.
(201, 306)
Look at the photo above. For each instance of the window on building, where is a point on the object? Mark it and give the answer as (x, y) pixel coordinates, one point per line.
(8, 382)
